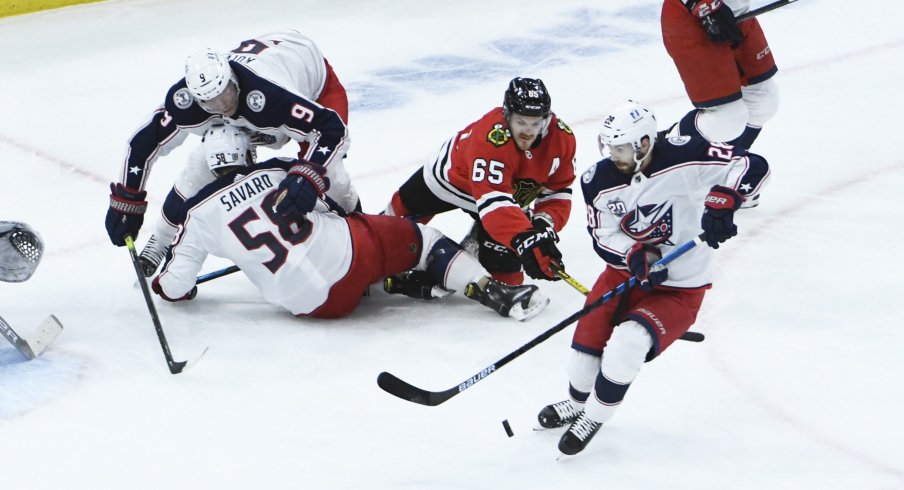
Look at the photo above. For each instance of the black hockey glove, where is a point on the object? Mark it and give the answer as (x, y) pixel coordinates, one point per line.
(300, 190)
(126, 213)
(155, 286)
(718, 21)
(538, 251)
(718, 217)
(640, 259)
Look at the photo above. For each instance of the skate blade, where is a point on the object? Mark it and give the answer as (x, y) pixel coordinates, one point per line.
(538, 303)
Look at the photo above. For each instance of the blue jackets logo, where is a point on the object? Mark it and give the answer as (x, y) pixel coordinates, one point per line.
(650, 223)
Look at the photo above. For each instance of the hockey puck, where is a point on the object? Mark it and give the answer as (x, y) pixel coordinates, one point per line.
(507, 427)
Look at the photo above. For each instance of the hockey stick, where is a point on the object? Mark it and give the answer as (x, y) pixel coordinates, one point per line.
(571, 281)
(395, 386)
(174, 367)
(210, 276)
(35, 344)
(688, 336)
(762, 10)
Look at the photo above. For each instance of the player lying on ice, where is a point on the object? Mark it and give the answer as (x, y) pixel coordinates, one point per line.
(302, 251)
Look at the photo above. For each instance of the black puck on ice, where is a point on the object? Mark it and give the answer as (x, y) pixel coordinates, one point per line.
(507, 427)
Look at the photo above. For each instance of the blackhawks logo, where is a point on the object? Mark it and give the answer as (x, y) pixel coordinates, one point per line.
(498, 136)
(525, 191)
(564, 127)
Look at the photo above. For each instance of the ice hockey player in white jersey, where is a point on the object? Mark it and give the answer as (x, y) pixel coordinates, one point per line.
(278, 85)
(644, 199)
(314, 260)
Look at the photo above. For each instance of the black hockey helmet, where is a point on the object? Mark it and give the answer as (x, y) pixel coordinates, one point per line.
(527, 96)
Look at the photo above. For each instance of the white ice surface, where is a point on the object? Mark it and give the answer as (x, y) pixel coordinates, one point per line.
(797, 386)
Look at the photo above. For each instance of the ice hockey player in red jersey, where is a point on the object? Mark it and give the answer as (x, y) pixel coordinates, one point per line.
(726, 66)
(511, 170)
(310, 257)
(646, 198)
(277, 85)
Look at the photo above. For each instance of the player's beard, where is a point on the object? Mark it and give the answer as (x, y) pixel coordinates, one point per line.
(525, 141)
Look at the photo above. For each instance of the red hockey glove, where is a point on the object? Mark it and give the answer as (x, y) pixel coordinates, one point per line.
(538, 251)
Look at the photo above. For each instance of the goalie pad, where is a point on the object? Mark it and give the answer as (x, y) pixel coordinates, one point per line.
(21, 249)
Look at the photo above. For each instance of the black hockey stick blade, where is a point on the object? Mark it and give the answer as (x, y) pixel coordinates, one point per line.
(693, 336)
(176, 367)
(395, 386)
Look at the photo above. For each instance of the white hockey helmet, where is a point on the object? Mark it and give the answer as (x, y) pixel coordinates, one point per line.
(629, 123)
(207, 73)
(227, 146)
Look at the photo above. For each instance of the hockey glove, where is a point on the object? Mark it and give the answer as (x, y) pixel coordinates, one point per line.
(300, 190)
(155, 286)
(718, 21)
(718, 217)
(538, 252)
(126, 213)
(640, 259)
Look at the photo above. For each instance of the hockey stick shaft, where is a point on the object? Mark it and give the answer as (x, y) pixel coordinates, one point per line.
(688, 336)
(762, 10)
(210, 276)
(406, 391)
(174, 367)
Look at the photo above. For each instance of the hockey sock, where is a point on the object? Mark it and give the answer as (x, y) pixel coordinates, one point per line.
(747, 138)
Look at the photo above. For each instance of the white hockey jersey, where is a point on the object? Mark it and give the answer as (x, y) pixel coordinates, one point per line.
(663, 204)
(293, 266)
(280, 76)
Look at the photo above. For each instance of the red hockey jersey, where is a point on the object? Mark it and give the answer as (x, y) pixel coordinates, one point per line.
(485, 167)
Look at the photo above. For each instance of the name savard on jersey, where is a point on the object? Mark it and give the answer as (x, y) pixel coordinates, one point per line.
(235, 196)
(247, 190)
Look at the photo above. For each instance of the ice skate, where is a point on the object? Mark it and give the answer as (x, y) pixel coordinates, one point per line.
(558, 415)
(578, 435)
(414, 284)
(151, 256)
(519, 302)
